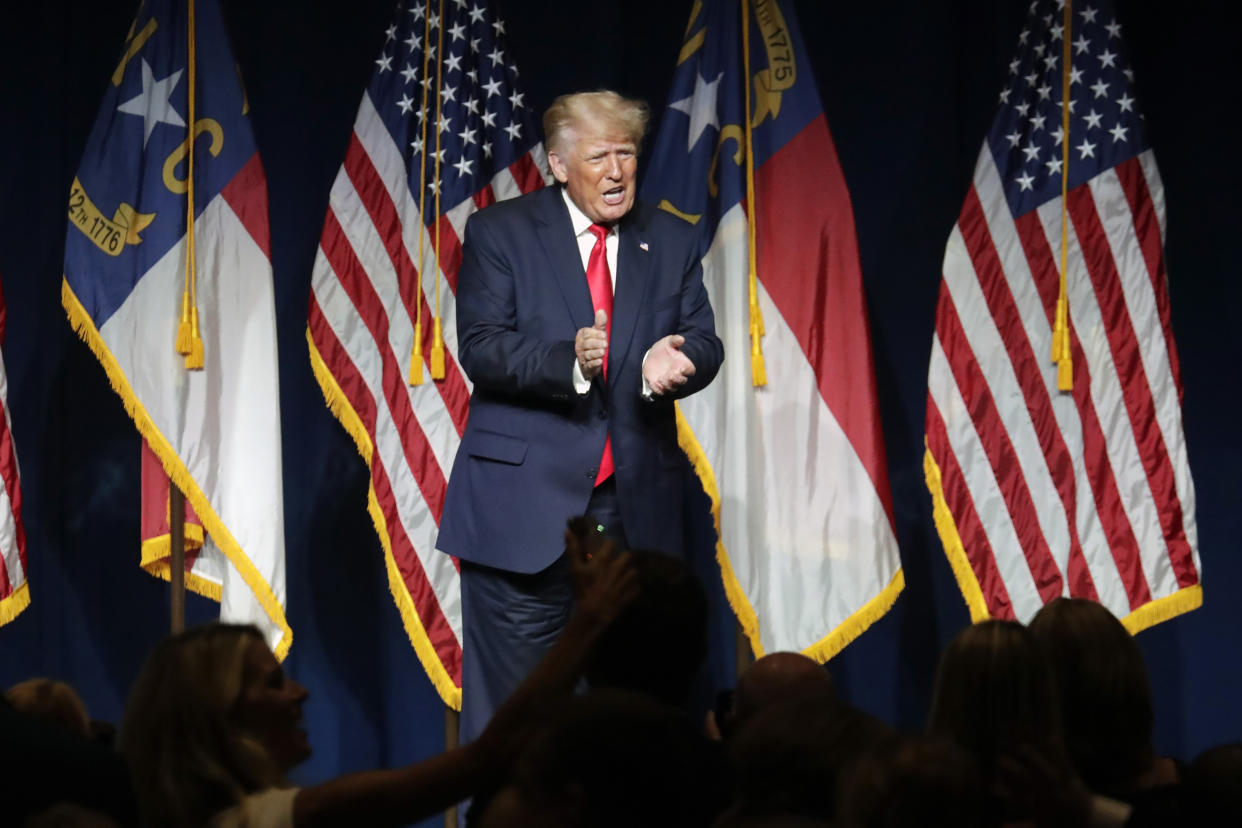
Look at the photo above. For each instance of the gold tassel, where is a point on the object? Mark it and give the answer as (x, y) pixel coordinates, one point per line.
(194, 360)
(758, 370)
(1061, 354)
(191, 345)
(416, 356)
(1065, 366)
(1055, 355)
(183, 329)
(437, 343)
(437, 353)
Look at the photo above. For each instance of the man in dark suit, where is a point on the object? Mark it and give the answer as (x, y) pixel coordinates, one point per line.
(581, 317)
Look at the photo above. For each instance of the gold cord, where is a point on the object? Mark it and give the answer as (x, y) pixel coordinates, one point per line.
(758, 370)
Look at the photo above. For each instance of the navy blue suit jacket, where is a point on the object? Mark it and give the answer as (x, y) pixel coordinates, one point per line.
(532, 445)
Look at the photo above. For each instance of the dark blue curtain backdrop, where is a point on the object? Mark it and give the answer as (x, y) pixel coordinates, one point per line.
(909, 87)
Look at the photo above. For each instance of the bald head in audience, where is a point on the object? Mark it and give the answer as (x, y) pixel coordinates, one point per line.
(775, 678)
(778, 677)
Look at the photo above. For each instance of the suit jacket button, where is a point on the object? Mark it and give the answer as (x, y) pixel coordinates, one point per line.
(591, 473)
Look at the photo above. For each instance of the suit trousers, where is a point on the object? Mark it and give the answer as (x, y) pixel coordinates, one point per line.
(511, 619)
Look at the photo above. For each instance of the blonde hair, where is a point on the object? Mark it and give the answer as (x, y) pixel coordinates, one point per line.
(604, 107)
(53, 701)
(188, 758)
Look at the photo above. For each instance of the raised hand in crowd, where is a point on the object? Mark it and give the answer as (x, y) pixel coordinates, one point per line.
(214, 725)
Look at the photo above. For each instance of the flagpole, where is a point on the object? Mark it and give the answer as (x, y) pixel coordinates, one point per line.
(194, 352)
(176, 557)
(741, 649)
(452, 723)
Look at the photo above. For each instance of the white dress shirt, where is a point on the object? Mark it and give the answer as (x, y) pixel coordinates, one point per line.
(586, 243)
(585, 240)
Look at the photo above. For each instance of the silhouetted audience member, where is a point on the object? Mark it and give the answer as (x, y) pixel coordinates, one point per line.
(789, 756)
(994, 695)
(1212, 788)
(211, 720)
(914, 783)
(735, 820)
(52, 701)
(772, 679)
(43, 764)
(213, 726)
(656, 645)
(613, 759)
(1104, 696)
(71, 816)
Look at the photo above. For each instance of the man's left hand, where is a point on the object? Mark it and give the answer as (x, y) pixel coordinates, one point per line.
(666, 367)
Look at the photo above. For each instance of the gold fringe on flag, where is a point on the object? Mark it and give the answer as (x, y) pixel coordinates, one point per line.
(437, 344)
(758, 369)
(1061, 353)
(190, 342)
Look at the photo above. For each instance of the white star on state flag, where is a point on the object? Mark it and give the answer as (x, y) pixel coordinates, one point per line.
(700, 107)
(154, 104)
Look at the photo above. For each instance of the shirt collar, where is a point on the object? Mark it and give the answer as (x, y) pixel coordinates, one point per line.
(577, 218)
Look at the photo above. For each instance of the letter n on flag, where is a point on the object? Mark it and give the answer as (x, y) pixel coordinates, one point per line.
(1069, 479)
(795, 468)
(128, 284)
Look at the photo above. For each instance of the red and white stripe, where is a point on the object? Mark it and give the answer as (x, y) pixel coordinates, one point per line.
(808, 551)
(1084, 493)
(366, 295)
(14, 594)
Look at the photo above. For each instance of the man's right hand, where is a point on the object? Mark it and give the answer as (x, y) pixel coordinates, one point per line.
(605, 581)
(590, 346)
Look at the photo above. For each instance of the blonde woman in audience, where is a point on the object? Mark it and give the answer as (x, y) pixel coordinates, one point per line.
(214, 725)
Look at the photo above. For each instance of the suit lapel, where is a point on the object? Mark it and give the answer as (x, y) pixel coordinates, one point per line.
(556, 235)
(633, 272)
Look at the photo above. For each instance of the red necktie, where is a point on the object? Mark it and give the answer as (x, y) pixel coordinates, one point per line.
(599, 278)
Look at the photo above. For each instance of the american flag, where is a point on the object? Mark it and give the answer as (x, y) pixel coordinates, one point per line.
(14, 594)
(1040, 492)
(443, 130)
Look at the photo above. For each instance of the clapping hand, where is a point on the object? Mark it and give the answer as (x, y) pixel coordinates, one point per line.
(666, 368)
(590, 346)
